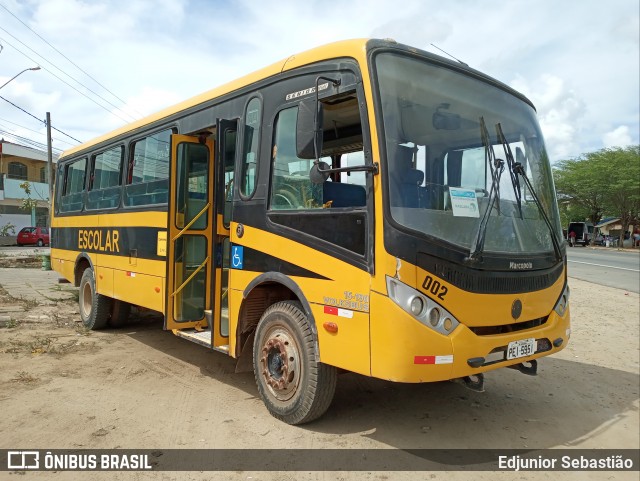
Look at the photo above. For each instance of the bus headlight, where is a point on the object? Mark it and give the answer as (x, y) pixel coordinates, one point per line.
(417, 306)
(421, 308)
(563, 302)
(434, 316)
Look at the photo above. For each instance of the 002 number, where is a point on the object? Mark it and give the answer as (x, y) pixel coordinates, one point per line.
(434, 287)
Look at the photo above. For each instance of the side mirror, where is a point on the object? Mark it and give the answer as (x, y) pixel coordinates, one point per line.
(319, 172)
(443, 120)
(306, 136)
(446, 121)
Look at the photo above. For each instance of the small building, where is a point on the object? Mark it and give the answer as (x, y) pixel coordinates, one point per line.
(611, 226)
(19, 164)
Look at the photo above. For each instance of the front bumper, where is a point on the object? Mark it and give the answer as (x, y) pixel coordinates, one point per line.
(404, 350)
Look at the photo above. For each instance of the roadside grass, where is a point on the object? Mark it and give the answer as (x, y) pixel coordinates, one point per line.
(24, 377)
(40, 345)
(29, 303)
(11, 323)
(54, 345)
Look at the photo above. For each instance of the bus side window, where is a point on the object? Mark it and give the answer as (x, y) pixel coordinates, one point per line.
(148, 172)
(249, 165)
(290, 184)
(104, 179)
(73, 186)
(229, 157)
(339, 202)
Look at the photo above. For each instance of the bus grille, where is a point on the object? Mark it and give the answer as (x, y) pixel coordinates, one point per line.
(489, 282)
(506, 328)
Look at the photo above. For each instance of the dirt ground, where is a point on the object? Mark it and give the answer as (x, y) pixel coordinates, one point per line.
(140, 387)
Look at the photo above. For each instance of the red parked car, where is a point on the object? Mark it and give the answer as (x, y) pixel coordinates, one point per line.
(33, 235)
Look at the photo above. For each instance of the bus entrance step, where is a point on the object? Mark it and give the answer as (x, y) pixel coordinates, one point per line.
(200, 337)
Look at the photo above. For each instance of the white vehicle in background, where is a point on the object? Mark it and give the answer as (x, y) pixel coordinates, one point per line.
(583, 233)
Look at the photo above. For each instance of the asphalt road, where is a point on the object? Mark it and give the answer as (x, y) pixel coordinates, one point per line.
(607, 267)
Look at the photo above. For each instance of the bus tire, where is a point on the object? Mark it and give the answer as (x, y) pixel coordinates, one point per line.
(119, 313)
(95, 308)
(293, 384)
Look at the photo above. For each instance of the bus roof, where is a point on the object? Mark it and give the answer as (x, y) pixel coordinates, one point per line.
(346, 48)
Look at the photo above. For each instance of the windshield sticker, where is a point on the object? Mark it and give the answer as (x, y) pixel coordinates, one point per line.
(464, 202)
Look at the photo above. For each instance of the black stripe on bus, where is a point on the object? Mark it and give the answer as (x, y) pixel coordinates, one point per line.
(121, 241)
(118, 241)
(258, 261)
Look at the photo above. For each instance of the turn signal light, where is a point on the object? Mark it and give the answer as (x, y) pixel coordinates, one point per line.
(330, 327)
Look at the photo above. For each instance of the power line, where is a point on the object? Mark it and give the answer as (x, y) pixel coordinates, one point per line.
(35, 131)
(67, 58)
(29, 142)
(30, 114)
(59, 70)
(67, 83)
(24, 139)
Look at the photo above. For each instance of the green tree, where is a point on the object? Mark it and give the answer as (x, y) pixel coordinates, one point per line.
(581, 189)
(603, 182)
(622, 173)
(28, 203)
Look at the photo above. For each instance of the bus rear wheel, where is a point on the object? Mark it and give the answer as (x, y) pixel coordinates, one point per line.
(95, 308)
(293, 384)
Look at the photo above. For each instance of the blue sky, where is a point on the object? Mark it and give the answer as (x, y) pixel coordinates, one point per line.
(577, 60)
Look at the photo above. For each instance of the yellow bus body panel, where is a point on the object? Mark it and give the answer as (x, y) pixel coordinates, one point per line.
(396, 338)
(141, 289)
(349, 347)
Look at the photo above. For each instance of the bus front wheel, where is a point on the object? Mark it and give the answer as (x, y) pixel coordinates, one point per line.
(95, 308)
(293, 384)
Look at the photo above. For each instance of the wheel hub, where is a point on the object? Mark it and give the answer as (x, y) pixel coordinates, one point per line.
(279, 365)
(87, 300)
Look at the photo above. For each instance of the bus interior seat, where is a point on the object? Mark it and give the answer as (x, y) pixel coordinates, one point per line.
(411, 191)
(408, 191)
(344, 195)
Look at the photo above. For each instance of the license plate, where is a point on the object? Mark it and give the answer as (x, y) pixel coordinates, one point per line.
(521, 348)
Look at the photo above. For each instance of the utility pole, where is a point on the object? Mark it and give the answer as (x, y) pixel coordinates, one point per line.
(49, 170)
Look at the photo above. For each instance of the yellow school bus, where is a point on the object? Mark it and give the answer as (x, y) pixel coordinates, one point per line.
(363, 206)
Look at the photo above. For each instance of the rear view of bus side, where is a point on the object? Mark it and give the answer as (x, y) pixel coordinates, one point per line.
(363, 206)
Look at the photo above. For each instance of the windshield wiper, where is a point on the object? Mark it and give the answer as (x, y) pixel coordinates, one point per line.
(518, 168)
(497, 167)
(515, 181)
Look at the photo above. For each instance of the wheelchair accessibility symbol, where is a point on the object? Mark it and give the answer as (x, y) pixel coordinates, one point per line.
(237, 257)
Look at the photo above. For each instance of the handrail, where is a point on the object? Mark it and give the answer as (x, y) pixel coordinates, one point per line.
(190, 277)
(204, 209)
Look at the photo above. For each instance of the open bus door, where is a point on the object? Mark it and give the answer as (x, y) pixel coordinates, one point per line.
(198, 237)
(191, 276)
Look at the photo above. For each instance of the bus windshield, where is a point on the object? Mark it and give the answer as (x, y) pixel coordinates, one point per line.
(452, 139)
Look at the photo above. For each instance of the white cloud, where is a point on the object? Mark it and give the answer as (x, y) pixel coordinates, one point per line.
(619, 137)
(150, 100)
(405, 30)
(560, 112)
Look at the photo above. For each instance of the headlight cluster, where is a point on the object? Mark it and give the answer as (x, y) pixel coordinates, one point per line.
(423, 309)
(563, 302)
